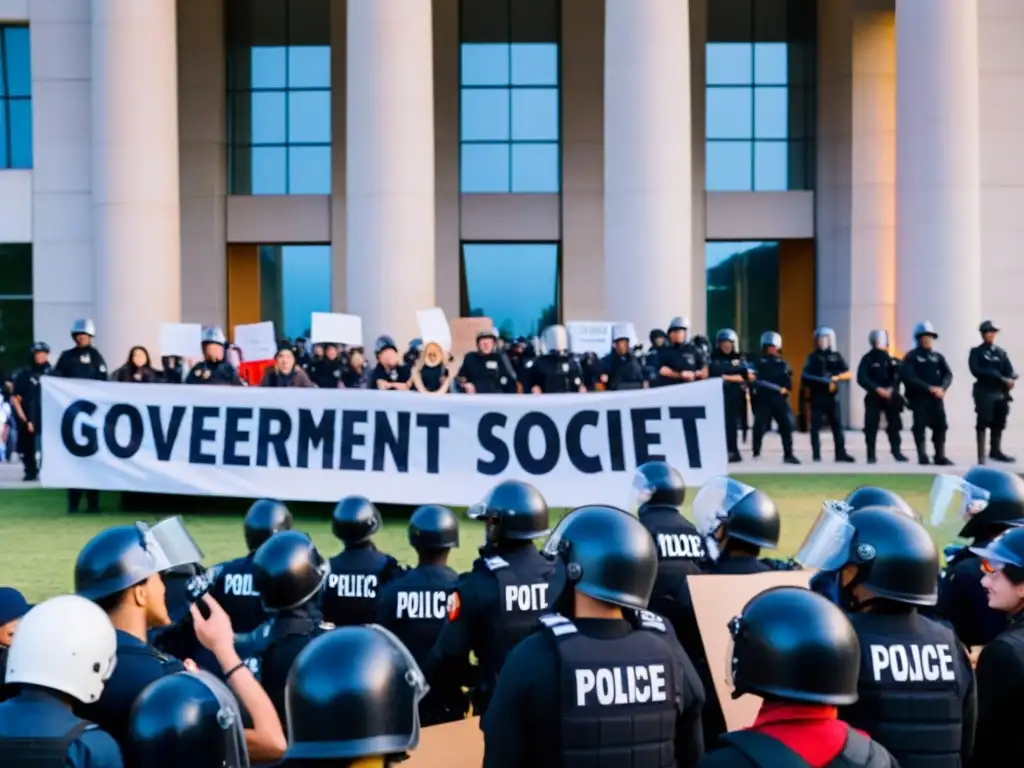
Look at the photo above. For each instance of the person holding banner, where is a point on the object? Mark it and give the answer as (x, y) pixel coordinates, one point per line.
(430, 375)
(214, 368)
(486, 370)
(556, 371)
(620, 368)
(389, 374)
(137, 368)
(326, 372)
(285, 372)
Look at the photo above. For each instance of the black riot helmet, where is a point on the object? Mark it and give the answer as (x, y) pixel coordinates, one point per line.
(364, 671)
(658, 484)
(606, 554)
(120, 557)
(1005, 552)
(433, 527)
(514, 510)
(988, 327)
(355, 520)
(188, 718)
(741, 512)
(384, 342)
(873, 496)
(793, 644)
(288, 570)
(265, 518)
(1005, 503)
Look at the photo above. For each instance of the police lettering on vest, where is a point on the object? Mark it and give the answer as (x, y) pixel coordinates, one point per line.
(353, 584)
(610, 686)
(425, 604)
(680, 545)
(912, 663)
(526, 597)
(239, 584)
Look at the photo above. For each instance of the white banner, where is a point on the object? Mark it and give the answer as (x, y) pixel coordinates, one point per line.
(393, 447)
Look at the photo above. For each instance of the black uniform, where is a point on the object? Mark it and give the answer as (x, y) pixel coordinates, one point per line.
(233, 588)
(558, 706)
(992, 369)
(28, 388)
(350, 592)
(680, 553)
(732, 364)
(880, 369)
(400, 374)
(325, 373)
(494, 606)
(221, 373)
(680, 358)
(555, 373)
(921, 369)
(770, 404)
(623, 371)
(917, 695)
(823, 364)
(1000, 698)
(414, 607)
(82, 363)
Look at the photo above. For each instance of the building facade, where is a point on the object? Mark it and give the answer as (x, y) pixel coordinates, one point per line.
(754, 164)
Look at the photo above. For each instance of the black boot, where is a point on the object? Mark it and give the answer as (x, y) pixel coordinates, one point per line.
(979, 436)
(870, 446)
(922, 454)
(996, 452)
(940, 454)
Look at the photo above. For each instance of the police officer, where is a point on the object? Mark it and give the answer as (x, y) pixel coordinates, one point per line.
(556, 371)
(389, 373)
(604, 681)
(1001, 663)
(288, 572)
(994, 380)
(620, 369)
(657, 339)
(64, 651)
(916, 686)
(415, 605)
(926, 378)
(727, 363)
(28, 407)
(360, 569)
(486, 370)
(497, 603)
(213, 368)
(801, 653)
(873, 496)
(772, 385)
(83, 361)
(233, 580)
(878, 374)
(680, 361)
(326, 372)
(824, 369)
(13, 607)
(989, 501)
(353, 696)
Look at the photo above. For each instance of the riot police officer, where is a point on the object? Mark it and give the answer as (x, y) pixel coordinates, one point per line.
(772, 385)
(680, 361)
(28, 407)
(555, 704)
(64, 651)
(824, 369)
(415, 605)
(326, 371)
(486, 370)
(213, 368)
(497, 603)
(389, 373)
(620, 368)
(657, 339)
(83, 361)
(916, 687)
(288, 572)
(360, 569)
(727, 363)
(989, 501)
(556, 371)
(803, 676)
(878, 374)
(232, 585)
(995, 379)
(353, 696)
(926, 378)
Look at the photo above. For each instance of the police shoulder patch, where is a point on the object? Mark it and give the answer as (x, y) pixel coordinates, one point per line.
(454, 606)
(558, 624)
(653, 621)
(495, 563)
(326, 625)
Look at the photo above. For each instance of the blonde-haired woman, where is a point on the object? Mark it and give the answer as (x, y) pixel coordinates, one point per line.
(430, 374)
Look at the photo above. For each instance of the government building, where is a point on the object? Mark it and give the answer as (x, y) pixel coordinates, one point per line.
(757, 164)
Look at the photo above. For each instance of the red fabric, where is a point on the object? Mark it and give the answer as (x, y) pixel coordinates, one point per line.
(813, 731)
(252, 372)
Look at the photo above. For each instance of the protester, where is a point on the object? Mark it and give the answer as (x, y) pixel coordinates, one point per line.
(137, 368)
(286, 373)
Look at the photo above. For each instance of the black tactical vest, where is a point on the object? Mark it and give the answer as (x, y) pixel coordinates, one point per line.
(620, 698)
(419, 609)
(350, 591)
(763, 751)
(913, 682)
(233, 588)
(38, 751)
(680, 553)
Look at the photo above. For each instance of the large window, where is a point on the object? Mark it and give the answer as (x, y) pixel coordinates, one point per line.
(760, 108)
(295, 282)
(517, 285)
(15, 99)
(509, 105)
(15, 306)
(743, 290)
(279, 100)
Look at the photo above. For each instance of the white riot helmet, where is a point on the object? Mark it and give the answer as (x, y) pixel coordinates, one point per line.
(556, 339)
(66, 644)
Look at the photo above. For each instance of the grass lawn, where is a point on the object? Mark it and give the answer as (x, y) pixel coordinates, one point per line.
(39, 541)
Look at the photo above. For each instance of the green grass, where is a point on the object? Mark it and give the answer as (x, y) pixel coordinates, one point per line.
(39, 541)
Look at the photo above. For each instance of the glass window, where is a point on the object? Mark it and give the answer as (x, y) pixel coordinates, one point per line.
(771, 166)
(729, 63)
(728, 166)
(279, 78)
(15, 98)
(534, 64)
(535, 168)
(514, 284)
(295, 282)
(730, 113)
(743, 290)
(15, 305)
(485, 114)
(771, 113)
(535, 114)
(485, 168)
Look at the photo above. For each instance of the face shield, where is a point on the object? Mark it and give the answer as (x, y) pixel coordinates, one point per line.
(711, 508)
(170, 544)
(879, 339)
(954, 500)
(229, 718)
(827, 545)
(825, 338)
(556, 548)
(640, 492)
(556, 339)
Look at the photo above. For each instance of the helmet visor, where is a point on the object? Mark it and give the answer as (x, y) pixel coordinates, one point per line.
(827, 545)
(170, 544)
(640, 492)
(953, 499)
(712, 503)
(553, 546)
(414, 675)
